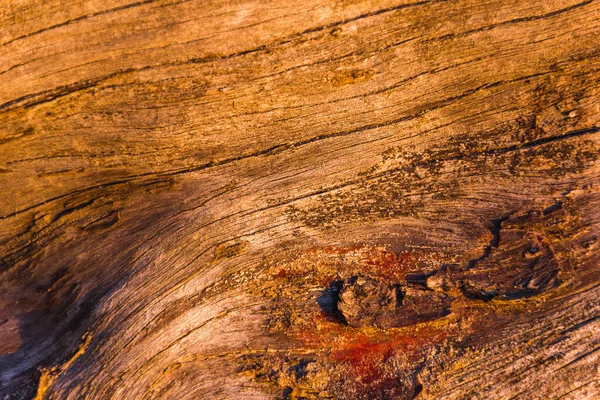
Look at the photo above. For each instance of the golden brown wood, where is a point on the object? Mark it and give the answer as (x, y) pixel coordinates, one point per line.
(299, 199)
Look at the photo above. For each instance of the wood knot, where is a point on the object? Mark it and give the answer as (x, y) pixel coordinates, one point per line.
(365, 301)
(362, 301)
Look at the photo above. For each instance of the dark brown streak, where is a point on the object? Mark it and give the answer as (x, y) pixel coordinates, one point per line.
(61, 91)
(365, 15)
(562, 396)
(581, 324)
(579, 358)
(514, 21)
(81, 18)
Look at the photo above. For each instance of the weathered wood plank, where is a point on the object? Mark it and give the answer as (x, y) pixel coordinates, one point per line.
(299, 199)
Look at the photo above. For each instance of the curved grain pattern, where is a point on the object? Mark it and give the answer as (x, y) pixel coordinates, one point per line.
(299, 199)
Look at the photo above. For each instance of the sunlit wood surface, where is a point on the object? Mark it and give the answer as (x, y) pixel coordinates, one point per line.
(307, 199)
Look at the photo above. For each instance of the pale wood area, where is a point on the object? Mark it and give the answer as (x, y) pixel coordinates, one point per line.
(299, 199)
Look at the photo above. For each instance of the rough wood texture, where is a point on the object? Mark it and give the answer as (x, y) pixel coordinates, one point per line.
(299, 199)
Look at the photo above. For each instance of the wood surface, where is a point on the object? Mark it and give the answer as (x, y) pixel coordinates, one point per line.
(291, 199)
